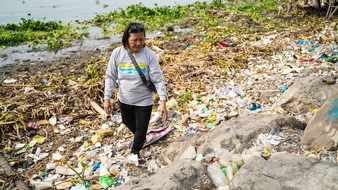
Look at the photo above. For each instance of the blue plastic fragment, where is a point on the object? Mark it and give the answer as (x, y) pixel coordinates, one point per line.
(323, 56)
(283, 88)
(254, 106)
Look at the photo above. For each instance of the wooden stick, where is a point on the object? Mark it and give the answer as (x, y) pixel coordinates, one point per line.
(99, 109)
(8, 122)
(19, 183)
(13, 85)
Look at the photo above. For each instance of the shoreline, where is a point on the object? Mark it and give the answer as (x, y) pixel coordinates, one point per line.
(14, 59)
(95, 41)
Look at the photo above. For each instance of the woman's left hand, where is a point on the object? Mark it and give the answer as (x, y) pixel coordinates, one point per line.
(163, 110)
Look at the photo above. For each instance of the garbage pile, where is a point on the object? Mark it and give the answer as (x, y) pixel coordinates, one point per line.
(87, 150)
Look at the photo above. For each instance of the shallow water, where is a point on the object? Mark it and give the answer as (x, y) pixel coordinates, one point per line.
(23, 53)
(67, 11)
(11, 11)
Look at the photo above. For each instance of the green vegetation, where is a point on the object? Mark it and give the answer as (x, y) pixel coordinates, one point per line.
(153, 18)
(202, 15)
(183, 98)
(81, 175)
(34, 32)
(94, 71)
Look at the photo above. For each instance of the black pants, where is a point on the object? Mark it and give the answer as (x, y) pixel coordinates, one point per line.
(136, 118)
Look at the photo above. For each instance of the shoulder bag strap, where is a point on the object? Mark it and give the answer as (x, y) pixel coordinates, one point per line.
(143, 78)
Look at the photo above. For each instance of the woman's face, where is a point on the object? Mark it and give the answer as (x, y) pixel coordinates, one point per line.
(136, 41)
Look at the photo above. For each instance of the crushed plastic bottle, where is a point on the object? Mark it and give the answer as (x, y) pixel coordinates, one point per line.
(230, 173)
(216, 175)
(235, 167)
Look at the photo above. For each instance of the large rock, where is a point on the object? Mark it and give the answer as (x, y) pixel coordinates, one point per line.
(228, 139)
(322, 130)
(183, 174)
(286, 171)
(238, 134)
(231, 136)
(307, 93)
(174, 150)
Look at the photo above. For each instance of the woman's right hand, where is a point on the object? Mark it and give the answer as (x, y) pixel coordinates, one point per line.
(107, 106)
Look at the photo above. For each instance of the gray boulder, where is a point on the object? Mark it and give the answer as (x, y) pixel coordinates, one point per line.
(322, 130)
(174, 150)
(281, 171)
(307, 93)
(183, 174)
(231, 136)
(286, 171)
(238, 134)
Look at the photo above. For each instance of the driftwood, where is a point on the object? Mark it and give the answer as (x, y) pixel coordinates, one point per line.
(99, 109)
(19, 183)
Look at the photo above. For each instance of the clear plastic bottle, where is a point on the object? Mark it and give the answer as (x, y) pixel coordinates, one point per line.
(216, 175)
(230, 173)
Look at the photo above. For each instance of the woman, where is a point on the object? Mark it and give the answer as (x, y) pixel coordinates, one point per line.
(135, 99)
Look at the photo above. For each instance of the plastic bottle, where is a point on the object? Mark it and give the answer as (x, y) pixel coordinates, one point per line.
(216, 175)
(38, 151)
(235, 167)
(230, 173)
(96, 165)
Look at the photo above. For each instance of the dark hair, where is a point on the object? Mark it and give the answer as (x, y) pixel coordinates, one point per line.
(133, 27)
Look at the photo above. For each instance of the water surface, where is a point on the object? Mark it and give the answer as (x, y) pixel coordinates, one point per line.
(11, 11)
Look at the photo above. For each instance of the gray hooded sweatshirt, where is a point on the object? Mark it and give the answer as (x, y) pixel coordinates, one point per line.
(121, 72)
